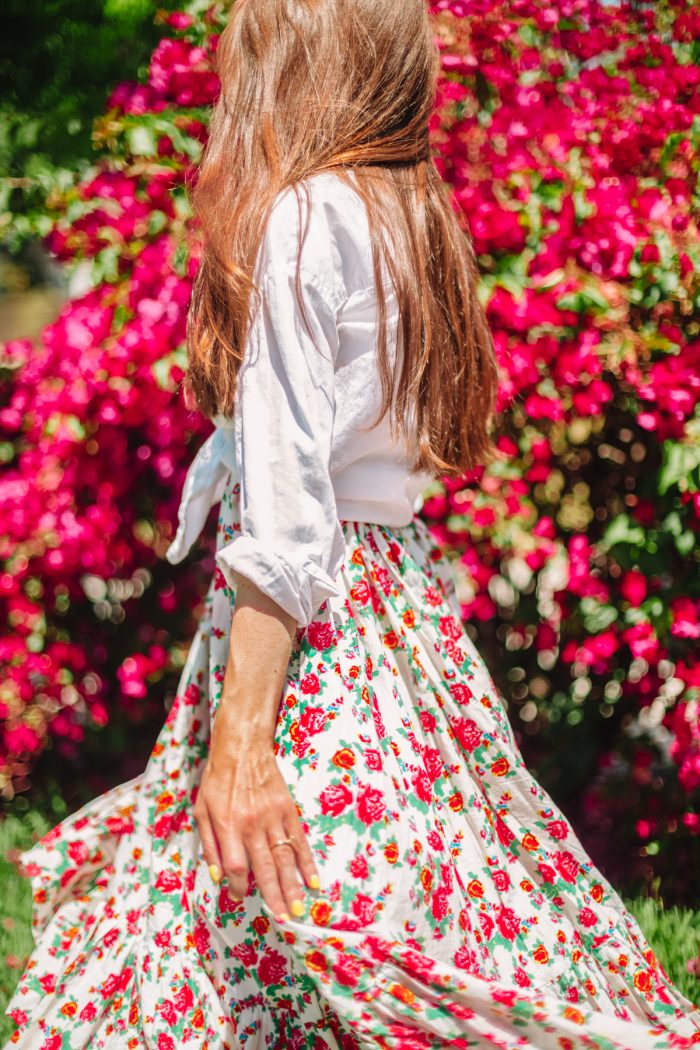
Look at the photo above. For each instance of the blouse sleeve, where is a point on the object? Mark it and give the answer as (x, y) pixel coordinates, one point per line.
(291, 543)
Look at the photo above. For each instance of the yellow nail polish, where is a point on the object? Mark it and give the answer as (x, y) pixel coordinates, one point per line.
(283, 917)
(315, 882)
(297, 908)
(215, 872)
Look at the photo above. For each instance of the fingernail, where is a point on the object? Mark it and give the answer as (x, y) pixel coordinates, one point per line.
(215, 872)
(282, 917)
(297, 908)
(315, 882)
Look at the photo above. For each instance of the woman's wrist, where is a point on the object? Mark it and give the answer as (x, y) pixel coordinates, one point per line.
(256, 670)
(245, 725)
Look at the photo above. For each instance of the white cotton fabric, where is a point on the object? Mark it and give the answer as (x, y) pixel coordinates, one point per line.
(303, 458)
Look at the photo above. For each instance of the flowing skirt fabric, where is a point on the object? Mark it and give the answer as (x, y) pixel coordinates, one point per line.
(457, 906)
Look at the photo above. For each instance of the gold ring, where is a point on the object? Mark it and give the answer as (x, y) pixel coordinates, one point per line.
(283, 842)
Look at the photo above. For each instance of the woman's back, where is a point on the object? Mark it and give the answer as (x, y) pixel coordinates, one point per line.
(370, 471)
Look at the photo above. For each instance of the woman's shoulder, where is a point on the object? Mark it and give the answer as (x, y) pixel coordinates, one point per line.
(329, 196)
(324, 219)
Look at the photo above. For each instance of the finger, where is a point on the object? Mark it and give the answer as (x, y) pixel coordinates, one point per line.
(210, 847)
(287, 874)
(303, 856)
(234, 861)
(265, 871)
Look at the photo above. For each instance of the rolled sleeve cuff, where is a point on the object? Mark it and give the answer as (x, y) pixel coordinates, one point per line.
(300, 591)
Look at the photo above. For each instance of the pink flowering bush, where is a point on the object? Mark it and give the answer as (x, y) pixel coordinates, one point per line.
(570, 134)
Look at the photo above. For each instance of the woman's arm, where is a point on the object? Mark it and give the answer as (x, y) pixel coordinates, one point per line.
(284, 559)
(244, 805)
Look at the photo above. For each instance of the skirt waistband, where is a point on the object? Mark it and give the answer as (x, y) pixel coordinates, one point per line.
(215, 467)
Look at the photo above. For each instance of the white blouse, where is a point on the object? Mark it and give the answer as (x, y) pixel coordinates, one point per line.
(295, 442)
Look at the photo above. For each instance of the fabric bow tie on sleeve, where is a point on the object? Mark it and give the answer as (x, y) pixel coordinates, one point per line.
(204, 487)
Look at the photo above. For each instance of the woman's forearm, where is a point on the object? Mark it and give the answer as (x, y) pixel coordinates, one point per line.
(259, 649)
(246, 816)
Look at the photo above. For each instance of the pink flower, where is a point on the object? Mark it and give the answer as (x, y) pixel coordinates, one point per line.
(365, 908)
(168, 882)
(432, 760)
(450, 628)
(320, 635)
(313, 720)
(245, 953)
(272, 967)
(180, 20)
(567, 865)
(78, 852)
(370, 805)
(423, 785)
(467, 733)
(501, 880)
(558, 829)
(508, 922)
(415, 962)
(359, 868)
(642, 641)
(183, 999)
(202, 938)
(487, 924)
(88, 1012)
(506, 996)
(685, 614)
(505, 835)
(334, 799)
(634, 587)
(347, 969)
(440, 904)
(461, 693)
(427, 721)
(373, 758)
(587, 917)
(167, 1011)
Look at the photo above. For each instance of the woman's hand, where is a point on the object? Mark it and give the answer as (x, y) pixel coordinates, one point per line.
(244, 806)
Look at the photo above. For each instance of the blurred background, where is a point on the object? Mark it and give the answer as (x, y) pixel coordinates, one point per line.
(569, 132)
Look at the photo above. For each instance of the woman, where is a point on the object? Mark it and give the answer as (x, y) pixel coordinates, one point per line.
(335, 842)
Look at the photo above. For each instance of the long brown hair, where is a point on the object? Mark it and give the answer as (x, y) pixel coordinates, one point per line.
(348, 86)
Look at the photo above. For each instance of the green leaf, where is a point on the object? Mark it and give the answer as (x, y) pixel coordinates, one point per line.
(584, 299)
(157, 220)
(162, 367)
(685, 543)
(583, 208)
(679, 464)
(597, 617)
(511, 283)
(106, 266)
(623, 530)
(530, 35)
(570, 301)
(141, 141)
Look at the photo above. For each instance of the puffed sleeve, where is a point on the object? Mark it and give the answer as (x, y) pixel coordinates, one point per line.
(291, 543)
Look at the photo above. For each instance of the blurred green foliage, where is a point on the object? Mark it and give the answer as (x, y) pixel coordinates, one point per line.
(58, 61)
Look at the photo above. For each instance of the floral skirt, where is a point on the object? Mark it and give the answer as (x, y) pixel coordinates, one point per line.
(457, 906)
